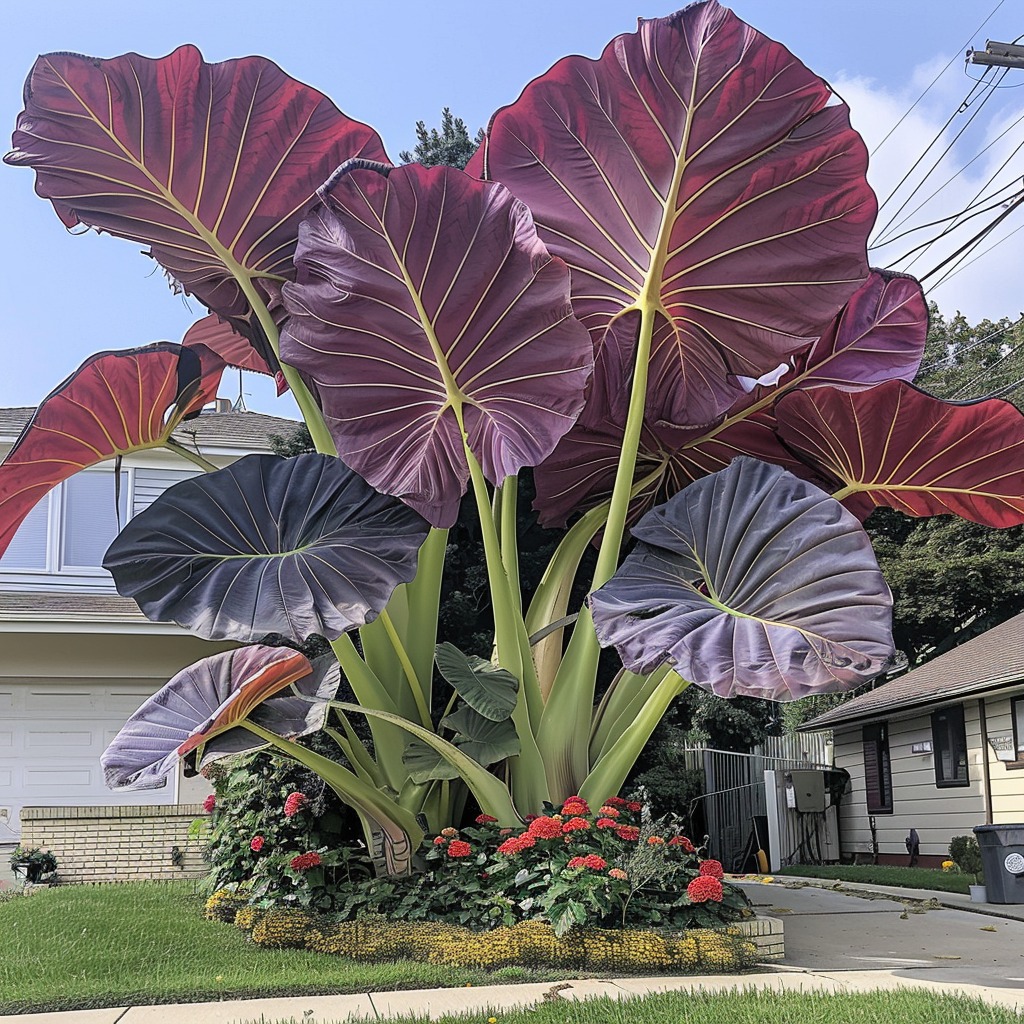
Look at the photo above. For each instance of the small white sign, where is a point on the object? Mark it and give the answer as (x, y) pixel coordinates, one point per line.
(924, 747)
(1014, 863)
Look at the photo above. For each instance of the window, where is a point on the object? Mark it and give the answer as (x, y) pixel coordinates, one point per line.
(877, 770)
(1017, 711)
(949, 742)
(72, 527)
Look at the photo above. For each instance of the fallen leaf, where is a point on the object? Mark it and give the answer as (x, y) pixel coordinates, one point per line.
(939, 956)
(988, 928)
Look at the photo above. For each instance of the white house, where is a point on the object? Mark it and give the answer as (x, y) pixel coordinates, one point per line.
(76, 659)
(939, 750)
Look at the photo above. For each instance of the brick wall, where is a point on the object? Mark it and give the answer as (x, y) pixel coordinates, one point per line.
(116, 844)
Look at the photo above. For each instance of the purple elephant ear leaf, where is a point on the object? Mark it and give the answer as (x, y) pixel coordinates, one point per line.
(210, 165)
(201, 702)
(697, 170)
(898, 446)
(426, 302)
(268, 545)
(754, 583)
(113, 404)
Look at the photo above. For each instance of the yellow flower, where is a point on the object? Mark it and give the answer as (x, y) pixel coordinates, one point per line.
(948, 865)
(492, 1020)
(220, 977)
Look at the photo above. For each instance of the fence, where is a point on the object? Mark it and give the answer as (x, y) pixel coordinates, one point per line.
(749, 804)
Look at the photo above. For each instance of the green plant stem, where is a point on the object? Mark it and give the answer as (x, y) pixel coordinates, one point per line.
(410, 672)
(179, 449)
(311, 413)
(509, 492)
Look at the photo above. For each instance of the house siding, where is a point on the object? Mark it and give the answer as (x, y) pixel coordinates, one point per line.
(1007, 783)
(938, 814)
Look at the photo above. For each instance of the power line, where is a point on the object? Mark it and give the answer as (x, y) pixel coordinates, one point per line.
(967, 348)
(889, 133)
(954, 270)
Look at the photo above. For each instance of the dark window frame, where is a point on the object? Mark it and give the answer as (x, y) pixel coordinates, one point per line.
(950, 731)
(878, 793)
(1018, 761)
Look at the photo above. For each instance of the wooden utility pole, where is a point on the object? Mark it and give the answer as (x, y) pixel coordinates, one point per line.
(1000, 55)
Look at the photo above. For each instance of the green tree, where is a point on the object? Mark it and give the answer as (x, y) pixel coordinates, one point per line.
(449, 147)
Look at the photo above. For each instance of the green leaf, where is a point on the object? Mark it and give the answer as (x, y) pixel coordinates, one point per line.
(425, 764)
(486, 688)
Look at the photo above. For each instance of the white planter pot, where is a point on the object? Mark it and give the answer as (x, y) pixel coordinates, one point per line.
(978, 894)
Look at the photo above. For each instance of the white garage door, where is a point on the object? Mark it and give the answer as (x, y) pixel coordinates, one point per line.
(51, 738)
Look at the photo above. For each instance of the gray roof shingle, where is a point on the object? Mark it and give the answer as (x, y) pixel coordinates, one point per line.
(247, 430)
(986, 662)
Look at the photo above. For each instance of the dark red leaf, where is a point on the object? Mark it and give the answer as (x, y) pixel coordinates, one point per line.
(895, 445)
(113, 404)
(697, 170)
(211, 165)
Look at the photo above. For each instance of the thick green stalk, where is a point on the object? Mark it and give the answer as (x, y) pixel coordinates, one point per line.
(509, 492)
(407, 669)
(626, 696)
(423, 600)
(179, 449)
(609, 774)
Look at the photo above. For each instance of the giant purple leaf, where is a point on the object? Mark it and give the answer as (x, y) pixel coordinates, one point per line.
(878, 335)
(268, 545)
(895, 445)
(210, 165)
(200, 702)
(750, 582)
(114, 404)
(698, 172)
(425, 302)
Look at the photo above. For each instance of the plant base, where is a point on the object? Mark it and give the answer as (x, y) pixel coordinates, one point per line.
(979, 894)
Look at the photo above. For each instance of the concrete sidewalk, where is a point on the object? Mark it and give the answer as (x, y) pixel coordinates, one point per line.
(483, 1001)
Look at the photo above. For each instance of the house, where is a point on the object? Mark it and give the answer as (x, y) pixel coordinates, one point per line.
(76, 660)
(939, 750)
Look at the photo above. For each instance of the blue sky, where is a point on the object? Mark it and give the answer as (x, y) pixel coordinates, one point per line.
(391, 63)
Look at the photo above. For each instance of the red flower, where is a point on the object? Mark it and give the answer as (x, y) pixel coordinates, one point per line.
(305, 861)
(545, 828)
(683, 842)
(256, 844)
(712, 869)
(485, 819)
(607, 823)
(704, 888)
(294, 804)
(628, 832)
(608, 811)
(209, 803)
(506, 831)
(577, 862)
(634, 806)
(575, 805)
(596, 863)
(516, 844)
(458, 848)
(576, 825)
(615, 801)
(450, 832)
(655, 841)
(439, 840)
(618, 874)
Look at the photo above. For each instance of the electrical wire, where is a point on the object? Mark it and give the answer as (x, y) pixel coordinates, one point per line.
(967, 348)
(885, 241)
(954, 270)
(889, 133)
(977, 110)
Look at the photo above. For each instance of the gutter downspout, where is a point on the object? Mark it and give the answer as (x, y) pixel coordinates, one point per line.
(986, 772)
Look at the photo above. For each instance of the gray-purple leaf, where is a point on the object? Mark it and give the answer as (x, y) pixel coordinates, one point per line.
(750, 582)
(202, 701)
(268, 545)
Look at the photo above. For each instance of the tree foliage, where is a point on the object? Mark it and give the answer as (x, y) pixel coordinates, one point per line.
(449, 147)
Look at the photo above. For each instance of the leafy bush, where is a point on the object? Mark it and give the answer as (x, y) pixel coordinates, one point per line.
(964, 851)
(259, 827)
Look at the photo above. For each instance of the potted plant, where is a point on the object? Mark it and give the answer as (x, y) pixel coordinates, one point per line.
(964, 852)
(38, 866)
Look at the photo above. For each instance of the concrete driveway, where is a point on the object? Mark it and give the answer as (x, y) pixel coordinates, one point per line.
(833, 931)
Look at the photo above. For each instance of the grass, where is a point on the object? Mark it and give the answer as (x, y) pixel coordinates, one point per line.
(883, 874)
(79, 947)
(749, 1007)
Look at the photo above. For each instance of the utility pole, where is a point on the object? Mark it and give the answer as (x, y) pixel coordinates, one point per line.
(1000, 55)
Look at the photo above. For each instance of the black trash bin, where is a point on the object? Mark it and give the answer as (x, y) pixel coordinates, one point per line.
(1002, 861)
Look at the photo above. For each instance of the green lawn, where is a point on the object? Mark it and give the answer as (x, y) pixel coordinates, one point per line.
(74, 947)
(882, 874)
(743, 1008)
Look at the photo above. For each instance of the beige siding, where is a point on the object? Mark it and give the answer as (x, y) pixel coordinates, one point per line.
(1007, 783)
(937, 814)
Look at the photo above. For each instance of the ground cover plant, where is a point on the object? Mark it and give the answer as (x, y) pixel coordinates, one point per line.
(650, 285)
(883, 874)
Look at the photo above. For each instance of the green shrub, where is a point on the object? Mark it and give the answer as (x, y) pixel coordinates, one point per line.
(964, 851)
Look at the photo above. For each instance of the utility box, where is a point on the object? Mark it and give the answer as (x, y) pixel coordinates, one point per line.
(1002, 861)
(809, 790)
